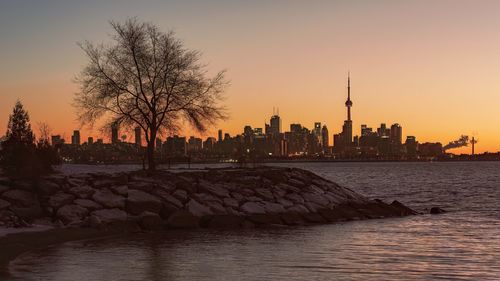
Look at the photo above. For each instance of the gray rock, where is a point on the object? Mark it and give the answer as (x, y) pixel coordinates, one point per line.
(197, 209)
(231, 202)
(316, 199)
(101, 183)
(181, 195)
(254, 199)
(205, 197)
(107, 216)
(140, 201)
(150, 221)
(300, 209)
(88, 204)
(70, 214)
(60, 199)
(285, 203)
(119, 189)
(264, 193)
(19, 198)
(48, 187)
(108, 199)
(82, 191)
(216, 207)
(4, 204)
(313, 207)
(143, 186)
(273, 208)
(252, 208)
(216, 189)
(237, 196)
(295, 198)
(166, 197)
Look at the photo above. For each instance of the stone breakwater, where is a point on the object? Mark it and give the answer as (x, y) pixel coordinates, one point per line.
(209, 198)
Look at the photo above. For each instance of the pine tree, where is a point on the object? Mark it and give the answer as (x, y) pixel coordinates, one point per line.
(19, 128)
(18, 151)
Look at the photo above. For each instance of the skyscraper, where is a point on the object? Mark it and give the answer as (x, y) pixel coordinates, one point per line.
(219, 136)
(317, 130)
(75, 139)
(275, 125)
(325, 139)
(138, 139)
(114, 133)
(396, 134)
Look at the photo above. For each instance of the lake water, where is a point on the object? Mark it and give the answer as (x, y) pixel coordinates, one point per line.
(463, 244)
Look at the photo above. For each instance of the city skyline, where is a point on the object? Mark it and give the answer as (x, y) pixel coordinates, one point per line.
(437, 74)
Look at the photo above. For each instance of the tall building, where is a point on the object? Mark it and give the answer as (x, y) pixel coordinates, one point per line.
(396, 134)
(90, 140)
(138, 139)
(57, 140)
(75, 138)
(114, 133)
(219, 139)
(317, 130)
(325, 139)
(275, 125)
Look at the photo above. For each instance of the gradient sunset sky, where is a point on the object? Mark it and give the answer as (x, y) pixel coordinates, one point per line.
(432, 66)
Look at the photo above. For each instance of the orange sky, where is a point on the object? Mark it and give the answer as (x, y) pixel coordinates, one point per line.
(431, 66)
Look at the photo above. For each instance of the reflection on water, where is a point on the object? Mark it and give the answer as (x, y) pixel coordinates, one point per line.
(462, 245)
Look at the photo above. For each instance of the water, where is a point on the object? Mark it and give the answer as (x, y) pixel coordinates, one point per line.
(463, 244)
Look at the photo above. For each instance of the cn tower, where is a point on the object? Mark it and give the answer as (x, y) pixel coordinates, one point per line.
(347, 128)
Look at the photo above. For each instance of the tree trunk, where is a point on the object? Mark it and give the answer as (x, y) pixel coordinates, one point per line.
(151, 156)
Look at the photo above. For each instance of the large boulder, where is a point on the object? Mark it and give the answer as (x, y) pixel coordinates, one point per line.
(166, 197)
(216, 189)
(140, 201)
(82, 191)
(4, 204)
(119, 189)
(47, 187)
(150, 221)
(60, 199)
(273, 208)
(181, 194)
(197, 209)
(107, 216)
(70, 214)
(108, 199)
(252, 208)
(141, 185)
(88, 204)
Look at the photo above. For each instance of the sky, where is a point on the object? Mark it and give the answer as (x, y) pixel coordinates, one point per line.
(433, 66)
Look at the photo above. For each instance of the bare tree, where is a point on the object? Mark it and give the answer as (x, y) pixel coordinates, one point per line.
(44, 131)
(147, 78)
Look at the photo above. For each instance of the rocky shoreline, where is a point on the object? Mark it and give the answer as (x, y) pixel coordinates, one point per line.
(98, 204)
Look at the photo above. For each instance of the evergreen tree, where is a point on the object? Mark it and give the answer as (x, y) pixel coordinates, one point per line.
(18, 150)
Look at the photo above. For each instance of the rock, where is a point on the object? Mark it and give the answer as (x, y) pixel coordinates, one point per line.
(88, 204)
(70, 214)
(272, 208)
(197, 209)
(143, 186)
(181, 195)
(225, 221)
(108, 199)
(76, 182)
(436, 210)
(295, 198)
(230, 202)
(205, 197)
(237, 196)
(313, 218)
(265, 194)
(216, 189)
(3, 188)
(101, 183)
(292, 218)
(300, 209)
(140, 201)
(285, 203)
(48, 187)
(252, 208)
(60, 199)
(215, 207)
(150, 221)
(313, 207)
(82, 191)
(4, 204)
(402, 209)
(107, 216)
(20, 198)
(168, 198)
(119, 189)
(182, 219)
(167, 209)
(316, 199)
